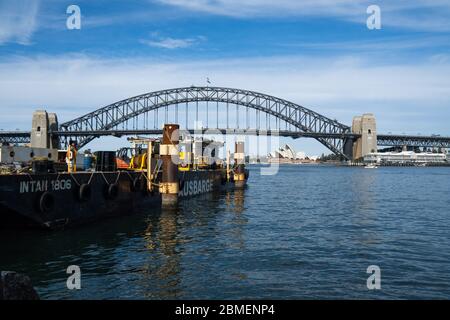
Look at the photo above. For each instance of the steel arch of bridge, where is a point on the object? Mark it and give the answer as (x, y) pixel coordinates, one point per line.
(303, 119)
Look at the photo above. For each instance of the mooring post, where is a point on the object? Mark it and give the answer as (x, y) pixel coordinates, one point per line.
(228, 165)
(239, 161)
(169, 153)
(149, 166)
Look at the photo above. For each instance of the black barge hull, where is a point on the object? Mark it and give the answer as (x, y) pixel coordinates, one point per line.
(64, 199)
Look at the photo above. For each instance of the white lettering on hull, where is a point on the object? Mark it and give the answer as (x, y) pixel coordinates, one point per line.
(44, 185)
(194, 187)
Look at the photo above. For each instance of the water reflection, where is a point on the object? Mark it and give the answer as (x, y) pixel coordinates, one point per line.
(161, 273)
(235, 204)
(239, 198)
(167, 235)
(364, 188)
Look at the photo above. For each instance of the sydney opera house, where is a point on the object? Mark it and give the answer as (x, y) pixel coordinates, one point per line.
(287, 154)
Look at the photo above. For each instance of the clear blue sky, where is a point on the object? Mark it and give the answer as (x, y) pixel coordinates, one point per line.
(316, 53)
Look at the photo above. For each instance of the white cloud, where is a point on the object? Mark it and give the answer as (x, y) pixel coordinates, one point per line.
(390, 44)
(171, 43)
(412, 14)
(246, 8)
(18, 21)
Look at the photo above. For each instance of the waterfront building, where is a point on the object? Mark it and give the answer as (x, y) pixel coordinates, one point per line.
(406, 157)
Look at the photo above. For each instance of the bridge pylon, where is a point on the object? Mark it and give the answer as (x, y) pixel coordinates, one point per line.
(366, 127)
(42, 125)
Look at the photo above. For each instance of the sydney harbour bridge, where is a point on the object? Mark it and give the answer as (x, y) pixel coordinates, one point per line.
(217, 109)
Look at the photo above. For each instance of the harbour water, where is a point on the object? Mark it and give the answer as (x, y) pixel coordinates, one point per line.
(307, 232)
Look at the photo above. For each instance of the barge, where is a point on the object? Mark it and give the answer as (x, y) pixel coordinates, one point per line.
(152, 173)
